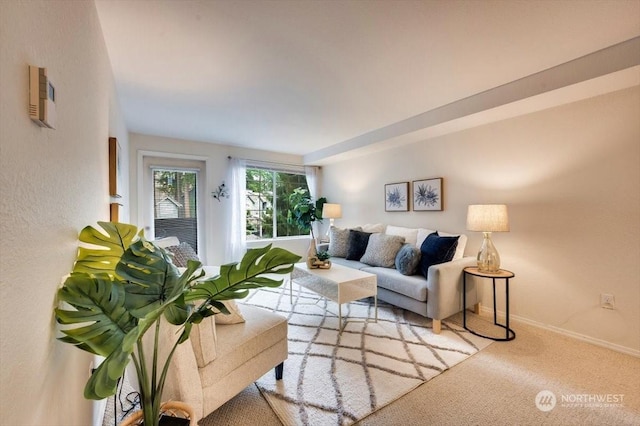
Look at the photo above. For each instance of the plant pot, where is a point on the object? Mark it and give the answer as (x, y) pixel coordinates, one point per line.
(172, 413)
(315, 263)
(326, 264)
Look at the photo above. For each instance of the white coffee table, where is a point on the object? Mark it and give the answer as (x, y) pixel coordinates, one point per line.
(339, 284)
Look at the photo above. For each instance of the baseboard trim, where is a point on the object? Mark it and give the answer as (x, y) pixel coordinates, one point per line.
(572, 334)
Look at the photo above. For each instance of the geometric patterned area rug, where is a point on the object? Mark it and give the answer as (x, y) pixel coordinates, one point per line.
(333, 378)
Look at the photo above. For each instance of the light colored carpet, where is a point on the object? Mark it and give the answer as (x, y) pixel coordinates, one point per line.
(340, 378)
(497, 386)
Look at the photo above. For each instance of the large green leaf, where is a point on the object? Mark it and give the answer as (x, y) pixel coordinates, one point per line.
(152, 280)
(100, 312)
(100, 252)
(235, 280)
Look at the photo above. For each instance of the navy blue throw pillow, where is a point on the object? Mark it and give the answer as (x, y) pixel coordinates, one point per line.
(436, 249)
(357, 244)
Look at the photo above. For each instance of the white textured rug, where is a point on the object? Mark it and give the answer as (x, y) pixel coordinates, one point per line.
(338, 379)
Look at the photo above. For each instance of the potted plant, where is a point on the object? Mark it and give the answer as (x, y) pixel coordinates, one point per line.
(122, 285)
(304, 211)
(323, 259)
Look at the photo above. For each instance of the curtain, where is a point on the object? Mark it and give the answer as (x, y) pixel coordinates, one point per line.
(236, 232)
(312, 175)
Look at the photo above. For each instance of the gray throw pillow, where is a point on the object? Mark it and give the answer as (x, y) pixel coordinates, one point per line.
(382, 250)
(408, 259)
(339, 241)
(182, 254)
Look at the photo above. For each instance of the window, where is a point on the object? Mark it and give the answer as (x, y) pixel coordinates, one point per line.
(175, 207)
(267, 201)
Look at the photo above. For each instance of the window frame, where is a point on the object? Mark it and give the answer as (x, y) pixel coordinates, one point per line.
(299, 171)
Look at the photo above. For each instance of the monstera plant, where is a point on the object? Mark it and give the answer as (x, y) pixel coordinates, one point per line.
(122, 285)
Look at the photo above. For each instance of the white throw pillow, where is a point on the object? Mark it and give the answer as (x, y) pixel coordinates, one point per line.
(410, 234)
(373, 227)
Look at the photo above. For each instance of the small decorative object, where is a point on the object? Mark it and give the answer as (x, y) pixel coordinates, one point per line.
(427, 194)
(396, 197)
(323, 261)
(221, 192)
(488, 218)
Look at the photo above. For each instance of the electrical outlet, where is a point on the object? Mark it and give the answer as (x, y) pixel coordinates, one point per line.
(607, 301)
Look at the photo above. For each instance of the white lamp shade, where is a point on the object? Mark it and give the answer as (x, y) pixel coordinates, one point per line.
(487, 218)
(331, 211)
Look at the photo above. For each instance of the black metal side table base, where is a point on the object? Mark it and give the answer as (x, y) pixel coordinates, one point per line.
(510, 333)
(501, 274)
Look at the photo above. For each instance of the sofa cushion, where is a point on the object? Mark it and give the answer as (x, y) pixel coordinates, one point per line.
(436, 249)
(203, 340)
(373, 227)
(413, 286)
(357, 245)
(462, 241)
(339, 241)
(355, 264)
(410, 234)
(382, 250)
(408, 259)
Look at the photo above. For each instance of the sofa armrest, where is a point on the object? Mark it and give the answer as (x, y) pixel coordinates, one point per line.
(444, 288)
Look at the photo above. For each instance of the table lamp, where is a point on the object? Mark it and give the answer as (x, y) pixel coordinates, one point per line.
(331, 212)
(488, 218)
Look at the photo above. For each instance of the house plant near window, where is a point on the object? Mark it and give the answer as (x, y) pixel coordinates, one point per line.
(122, 285)
(304, 211)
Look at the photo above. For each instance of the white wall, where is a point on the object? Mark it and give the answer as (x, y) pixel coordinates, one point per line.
(216, 159)
(571, 178)
(54, 182)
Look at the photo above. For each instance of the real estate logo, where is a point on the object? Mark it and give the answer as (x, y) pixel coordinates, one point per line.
(545, 400)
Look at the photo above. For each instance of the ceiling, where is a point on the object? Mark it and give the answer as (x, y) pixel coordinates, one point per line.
(321, 79)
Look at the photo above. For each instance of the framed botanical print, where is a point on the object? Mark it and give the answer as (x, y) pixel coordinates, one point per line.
(396, 197)
(427, 194)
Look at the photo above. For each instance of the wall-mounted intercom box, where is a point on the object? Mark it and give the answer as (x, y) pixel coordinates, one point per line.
(42, 98)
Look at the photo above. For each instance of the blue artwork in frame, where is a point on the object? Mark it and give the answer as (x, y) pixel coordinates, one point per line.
(396, 197)
(427, 194)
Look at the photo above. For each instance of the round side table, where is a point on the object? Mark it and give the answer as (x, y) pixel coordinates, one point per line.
(501, 274)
